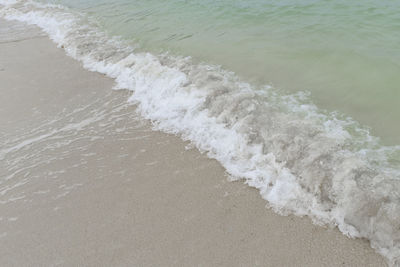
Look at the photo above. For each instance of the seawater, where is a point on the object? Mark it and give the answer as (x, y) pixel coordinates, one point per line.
(297, 98)
(346, 53)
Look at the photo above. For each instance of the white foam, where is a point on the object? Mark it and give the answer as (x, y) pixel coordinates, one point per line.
(303, 160)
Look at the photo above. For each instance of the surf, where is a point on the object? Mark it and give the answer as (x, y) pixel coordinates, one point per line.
(303, 160)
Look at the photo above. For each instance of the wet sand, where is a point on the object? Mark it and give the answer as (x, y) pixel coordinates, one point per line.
(85, 181)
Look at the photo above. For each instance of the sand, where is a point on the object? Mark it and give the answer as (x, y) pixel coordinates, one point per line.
(85, 181)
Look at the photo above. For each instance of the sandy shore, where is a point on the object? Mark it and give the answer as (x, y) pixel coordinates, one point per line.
(85, 181)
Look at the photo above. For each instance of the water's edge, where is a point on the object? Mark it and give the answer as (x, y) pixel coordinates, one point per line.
(303, 160)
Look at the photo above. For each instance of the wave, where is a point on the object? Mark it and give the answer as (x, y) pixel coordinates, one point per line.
(303, 160)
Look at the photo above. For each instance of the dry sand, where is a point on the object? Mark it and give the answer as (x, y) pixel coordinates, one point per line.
(85, 181)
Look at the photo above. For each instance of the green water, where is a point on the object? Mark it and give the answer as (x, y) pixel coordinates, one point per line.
(346, 53)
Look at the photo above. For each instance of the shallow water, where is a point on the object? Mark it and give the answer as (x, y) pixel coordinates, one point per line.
(303, 159)
(346, 53)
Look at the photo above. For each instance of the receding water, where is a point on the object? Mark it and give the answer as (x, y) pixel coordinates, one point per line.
(346, 53)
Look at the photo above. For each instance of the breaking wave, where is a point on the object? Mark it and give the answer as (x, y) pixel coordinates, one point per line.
(303, 160)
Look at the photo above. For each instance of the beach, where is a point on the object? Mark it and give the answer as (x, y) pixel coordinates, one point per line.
(85, 180)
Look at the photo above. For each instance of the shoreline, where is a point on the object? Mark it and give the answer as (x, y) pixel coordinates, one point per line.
(89, 182)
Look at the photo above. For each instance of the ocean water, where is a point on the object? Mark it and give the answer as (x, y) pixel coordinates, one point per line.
(298, 98)
(346, 53)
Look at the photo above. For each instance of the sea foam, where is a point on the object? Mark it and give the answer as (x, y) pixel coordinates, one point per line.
(303, 160)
